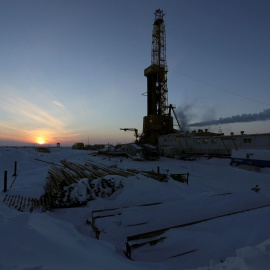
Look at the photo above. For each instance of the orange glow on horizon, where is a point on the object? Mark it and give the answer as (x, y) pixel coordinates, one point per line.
(40, 140)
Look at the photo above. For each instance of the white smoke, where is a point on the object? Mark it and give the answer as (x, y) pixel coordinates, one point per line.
(186, 113)
(243, 118)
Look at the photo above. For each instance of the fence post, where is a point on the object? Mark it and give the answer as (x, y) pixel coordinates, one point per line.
(158, 169)
(15, 169)
(5, 181)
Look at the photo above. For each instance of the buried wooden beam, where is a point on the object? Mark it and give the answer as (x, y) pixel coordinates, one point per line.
(182, 254)
(156, 233)
(94, 228)
(94, 212)
(137, 245)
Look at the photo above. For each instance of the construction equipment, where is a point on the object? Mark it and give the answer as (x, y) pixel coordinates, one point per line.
(136, 134)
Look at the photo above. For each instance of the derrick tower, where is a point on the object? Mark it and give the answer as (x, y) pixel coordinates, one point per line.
(157, 122)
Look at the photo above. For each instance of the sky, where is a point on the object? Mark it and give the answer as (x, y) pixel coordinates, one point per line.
(73, 71)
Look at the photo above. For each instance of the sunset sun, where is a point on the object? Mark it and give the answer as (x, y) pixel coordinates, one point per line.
(40, 141)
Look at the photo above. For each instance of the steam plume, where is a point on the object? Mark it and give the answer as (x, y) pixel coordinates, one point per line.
(243, 118)
(184, 114)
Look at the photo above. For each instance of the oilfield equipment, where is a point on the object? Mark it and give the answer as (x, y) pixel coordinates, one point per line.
(158, 128)
(136, 134)
(157, 121)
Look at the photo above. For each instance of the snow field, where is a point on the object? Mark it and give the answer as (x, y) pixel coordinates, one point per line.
(61, 239)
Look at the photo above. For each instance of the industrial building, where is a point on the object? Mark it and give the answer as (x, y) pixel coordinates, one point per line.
(205, 142)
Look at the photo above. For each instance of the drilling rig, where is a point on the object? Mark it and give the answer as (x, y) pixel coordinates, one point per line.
(158, 121)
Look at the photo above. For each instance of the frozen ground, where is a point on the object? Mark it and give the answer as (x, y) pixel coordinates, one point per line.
(61, 239)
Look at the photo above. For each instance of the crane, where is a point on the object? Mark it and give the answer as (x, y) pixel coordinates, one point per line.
(136, 134)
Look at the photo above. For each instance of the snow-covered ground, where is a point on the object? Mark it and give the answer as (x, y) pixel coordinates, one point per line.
(62, 239)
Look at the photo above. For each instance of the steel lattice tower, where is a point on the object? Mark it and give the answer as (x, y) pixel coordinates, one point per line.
(158, 121)
(159, 40)
(156, 74)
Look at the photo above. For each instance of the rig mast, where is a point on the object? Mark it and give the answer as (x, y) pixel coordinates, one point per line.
(159, 60)
(157, 122)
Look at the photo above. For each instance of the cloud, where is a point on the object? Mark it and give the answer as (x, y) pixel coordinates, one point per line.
(25, 119)
(26, 112)
(57, 103)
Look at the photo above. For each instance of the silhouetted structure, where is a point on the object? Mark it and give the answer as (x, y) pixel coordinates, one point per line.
(158, 121)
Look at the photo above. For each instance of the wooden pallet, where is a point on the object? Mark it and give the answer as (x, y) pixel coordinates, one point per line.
(24, 204)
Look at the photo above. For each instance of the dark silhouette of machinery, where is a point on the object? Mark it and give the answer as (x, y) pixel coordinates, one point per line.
(158, 121)
(136, 134)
